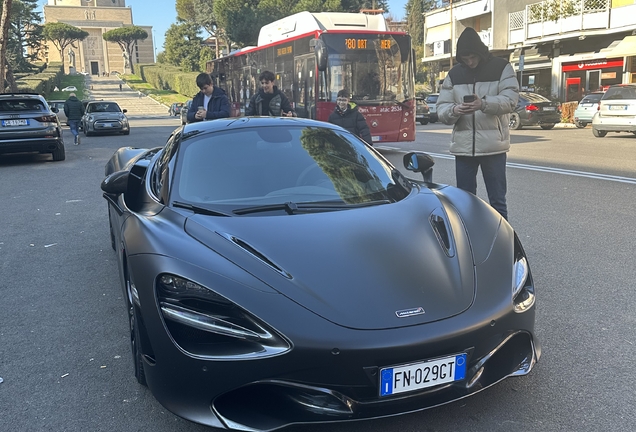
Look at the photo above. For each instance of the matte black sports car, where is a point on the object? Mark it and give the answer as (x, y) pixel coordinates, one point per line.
(280, 271)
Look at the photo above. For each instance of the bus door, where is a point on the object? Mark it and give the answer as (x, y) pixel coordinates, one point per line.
(304, 86)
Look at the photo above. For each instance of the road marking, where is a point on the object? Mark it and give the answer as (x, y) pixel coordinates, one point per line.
(561, 171)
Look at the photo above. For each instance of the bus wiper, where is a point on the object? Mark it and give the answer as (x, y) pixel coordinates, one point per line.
(295, 208)
(199, 210)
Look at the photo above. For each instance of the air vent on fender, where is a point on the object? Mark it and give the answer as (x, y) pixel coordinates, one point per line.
(442, 231)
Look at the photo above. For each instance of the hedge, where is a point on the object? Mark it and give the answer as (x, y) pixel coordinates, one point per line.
(43, 82)
(166, 77)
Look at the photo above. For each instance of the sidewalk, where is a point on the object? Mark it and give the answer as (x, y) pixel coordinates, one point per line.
(108, 88)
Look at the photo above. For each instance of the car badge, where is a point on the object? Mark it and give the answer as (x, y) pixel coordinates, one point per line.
(404, 313)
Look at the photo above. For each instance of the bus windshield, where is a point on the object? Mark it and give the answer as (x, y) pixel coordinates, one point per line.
(374, 68)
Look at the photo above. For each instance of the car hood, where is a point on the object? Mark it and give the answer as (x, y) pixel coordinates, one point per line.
(365, 268)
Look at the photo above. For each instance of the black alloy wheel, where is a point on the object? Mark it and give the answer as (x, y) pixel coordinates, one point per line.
(515, 121)
(135, 336)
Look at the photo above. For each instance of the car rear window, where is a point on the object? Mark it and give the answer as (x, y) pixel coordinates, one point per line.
(21, 105)
(593, 98)
(534, 97)
(627, 92)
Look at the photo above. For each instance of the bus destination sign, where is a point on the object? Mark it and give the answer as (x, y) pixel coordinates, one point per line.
(283, 51)
(352, 44)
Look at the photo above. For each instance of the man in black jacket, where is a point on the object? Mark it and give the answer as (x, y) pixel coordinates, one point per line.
(348, 117)
(269, 101)
(210, 103)
(74, 110)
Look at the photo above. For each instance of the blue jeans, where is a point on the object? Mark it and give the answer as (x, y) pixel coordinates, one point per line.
(493, 168)
(74, 125)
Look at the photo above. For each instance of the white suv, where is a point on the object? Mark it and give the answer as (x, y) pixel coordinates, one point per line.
(616, 111)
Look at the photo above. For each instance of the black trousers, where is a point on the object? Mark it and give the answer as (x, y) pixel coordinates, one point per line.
(493, 169)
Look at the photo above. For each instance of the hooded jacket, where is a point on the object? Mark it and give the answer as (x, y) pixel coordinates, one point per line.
(353, 121)
(484, 132)
(218, 107)
(73, 108)
(278, 104)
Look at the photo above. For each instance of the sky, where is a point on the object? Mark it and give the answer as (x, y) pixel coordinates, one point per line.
(160, 14)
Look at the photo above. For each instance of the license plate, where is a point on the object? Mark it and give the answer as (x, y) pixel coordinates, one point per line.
(618, 107)
(549, 108)
(21, 122)
(416, 376)
(376, 138)
(586, 104)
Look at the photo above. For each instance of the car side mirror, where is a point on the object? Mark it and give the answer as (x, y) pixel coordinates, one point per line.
(320, 51)
(124, 111)
(421, 163)
(55, 110)
(116, 183)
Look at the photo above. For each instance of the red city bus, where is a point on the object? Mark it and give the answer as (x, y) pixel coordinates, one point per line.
(314, 55)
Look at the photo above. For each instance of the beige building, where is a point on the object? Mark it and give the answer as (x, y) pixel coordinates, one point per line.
(94, 55)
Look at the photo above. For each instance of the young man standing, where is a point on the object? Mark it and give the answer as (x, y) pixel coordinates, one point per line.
(74, 110)
(347, 116)
(269, 101)
(477, 97)
(210, 103)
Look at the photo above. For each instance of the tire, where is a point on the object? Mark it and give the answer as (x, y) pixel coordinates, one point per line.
(598, 133)
(59, 154)
(84, 130)
(547, 126)
(580, 125)
(135, 335)
(423, 122)
(126, 132)
(515, 121)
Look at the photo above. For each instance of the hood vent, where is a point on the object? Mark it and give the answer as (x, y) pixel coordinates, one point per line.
(255, 253)
(442, 231)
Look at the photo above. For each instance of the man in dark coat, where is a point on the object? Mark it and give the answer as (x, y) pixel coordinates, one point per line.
(347, 116)
(74, 110)
(269, 101)
(210, 103)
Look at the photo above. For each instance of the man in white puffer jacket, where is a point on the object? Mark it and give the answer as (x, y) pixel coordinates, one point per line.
(481, 136)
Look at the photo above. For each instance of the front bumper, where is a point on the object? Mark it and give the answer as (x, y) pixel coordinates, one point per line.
(105, 126)
(331, 374)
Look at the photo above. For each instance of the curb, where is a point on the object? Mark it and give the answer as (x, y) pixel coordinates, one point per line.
(565, 125)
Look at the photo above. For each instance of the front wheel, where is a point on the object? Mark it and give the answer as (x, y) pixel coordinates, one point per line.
(580, 125)
(599, 133)
(135, 335)
(515, 121)
(547, 126)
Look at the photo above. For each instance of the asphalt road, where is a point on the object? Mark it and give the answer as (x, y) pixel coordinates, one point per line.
(64, 350)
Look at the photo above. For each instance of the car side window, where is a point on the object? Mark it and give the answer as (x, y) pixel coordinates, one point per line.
(161, 170)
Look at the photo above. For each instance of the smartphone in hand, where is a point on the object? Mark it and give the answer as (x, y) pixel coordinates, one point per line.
(469, 98)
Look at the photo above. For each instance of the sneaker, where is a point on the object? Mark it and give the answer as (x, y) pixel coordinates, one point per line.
(75, 140)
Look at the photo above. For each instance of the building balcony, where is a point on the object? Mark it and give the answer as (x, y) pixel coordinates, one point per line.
(556, 19)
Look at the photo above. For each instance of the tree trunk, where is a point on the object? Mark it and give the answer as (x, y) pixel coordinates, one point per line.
(13, 87)
(4, 35)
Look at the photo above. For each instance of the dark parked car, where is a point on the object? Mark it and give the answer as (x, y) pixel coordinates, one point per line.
(263, 286)
(422, 114)
(104, 117)
(431, 101)
(175, 109)
(535, 110)
(29, 124)
(184, 111)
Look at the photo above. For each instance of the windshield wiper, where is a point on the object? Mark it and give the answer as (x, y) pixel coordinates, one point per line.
(199, 210)
(294, 208)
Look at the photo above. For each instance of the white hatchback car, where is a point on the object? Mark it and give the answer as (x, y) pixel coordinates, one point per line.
(616, 111)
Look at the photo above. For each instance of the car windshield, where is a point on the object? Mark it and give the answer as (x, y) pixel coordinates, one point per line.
(22, 105)
(103, 107)
(626, 92)
(230, 170)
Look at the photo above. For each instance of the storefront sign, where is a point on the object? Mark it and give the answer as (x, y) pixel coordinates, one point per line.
(592, 64)
(608, 75)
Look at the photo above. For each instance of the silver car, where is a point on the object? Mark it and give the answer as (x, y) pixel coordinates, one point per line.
(28, 124)
(617, 111)
(431, 100)
(59, 105)
(104, 117)
(586, 109)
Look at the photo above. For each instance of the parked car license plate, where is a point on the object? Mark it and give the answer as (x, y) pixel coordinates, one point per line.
(549, 108)
(20, 122)
(618, 107)
(416, 376)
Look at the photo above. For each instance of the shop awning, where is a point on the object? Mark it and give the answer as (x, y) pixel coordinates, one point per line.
(625, 48)
(438, 33)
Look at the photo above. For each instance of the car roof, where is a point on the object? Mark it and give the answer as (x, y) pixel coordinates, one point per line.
(21, 95)
(102, 101)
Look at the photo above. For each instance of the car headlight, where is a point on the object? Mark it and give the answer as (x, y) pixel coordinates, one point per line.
(90, 118)
(206, 324)
(523, 295)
